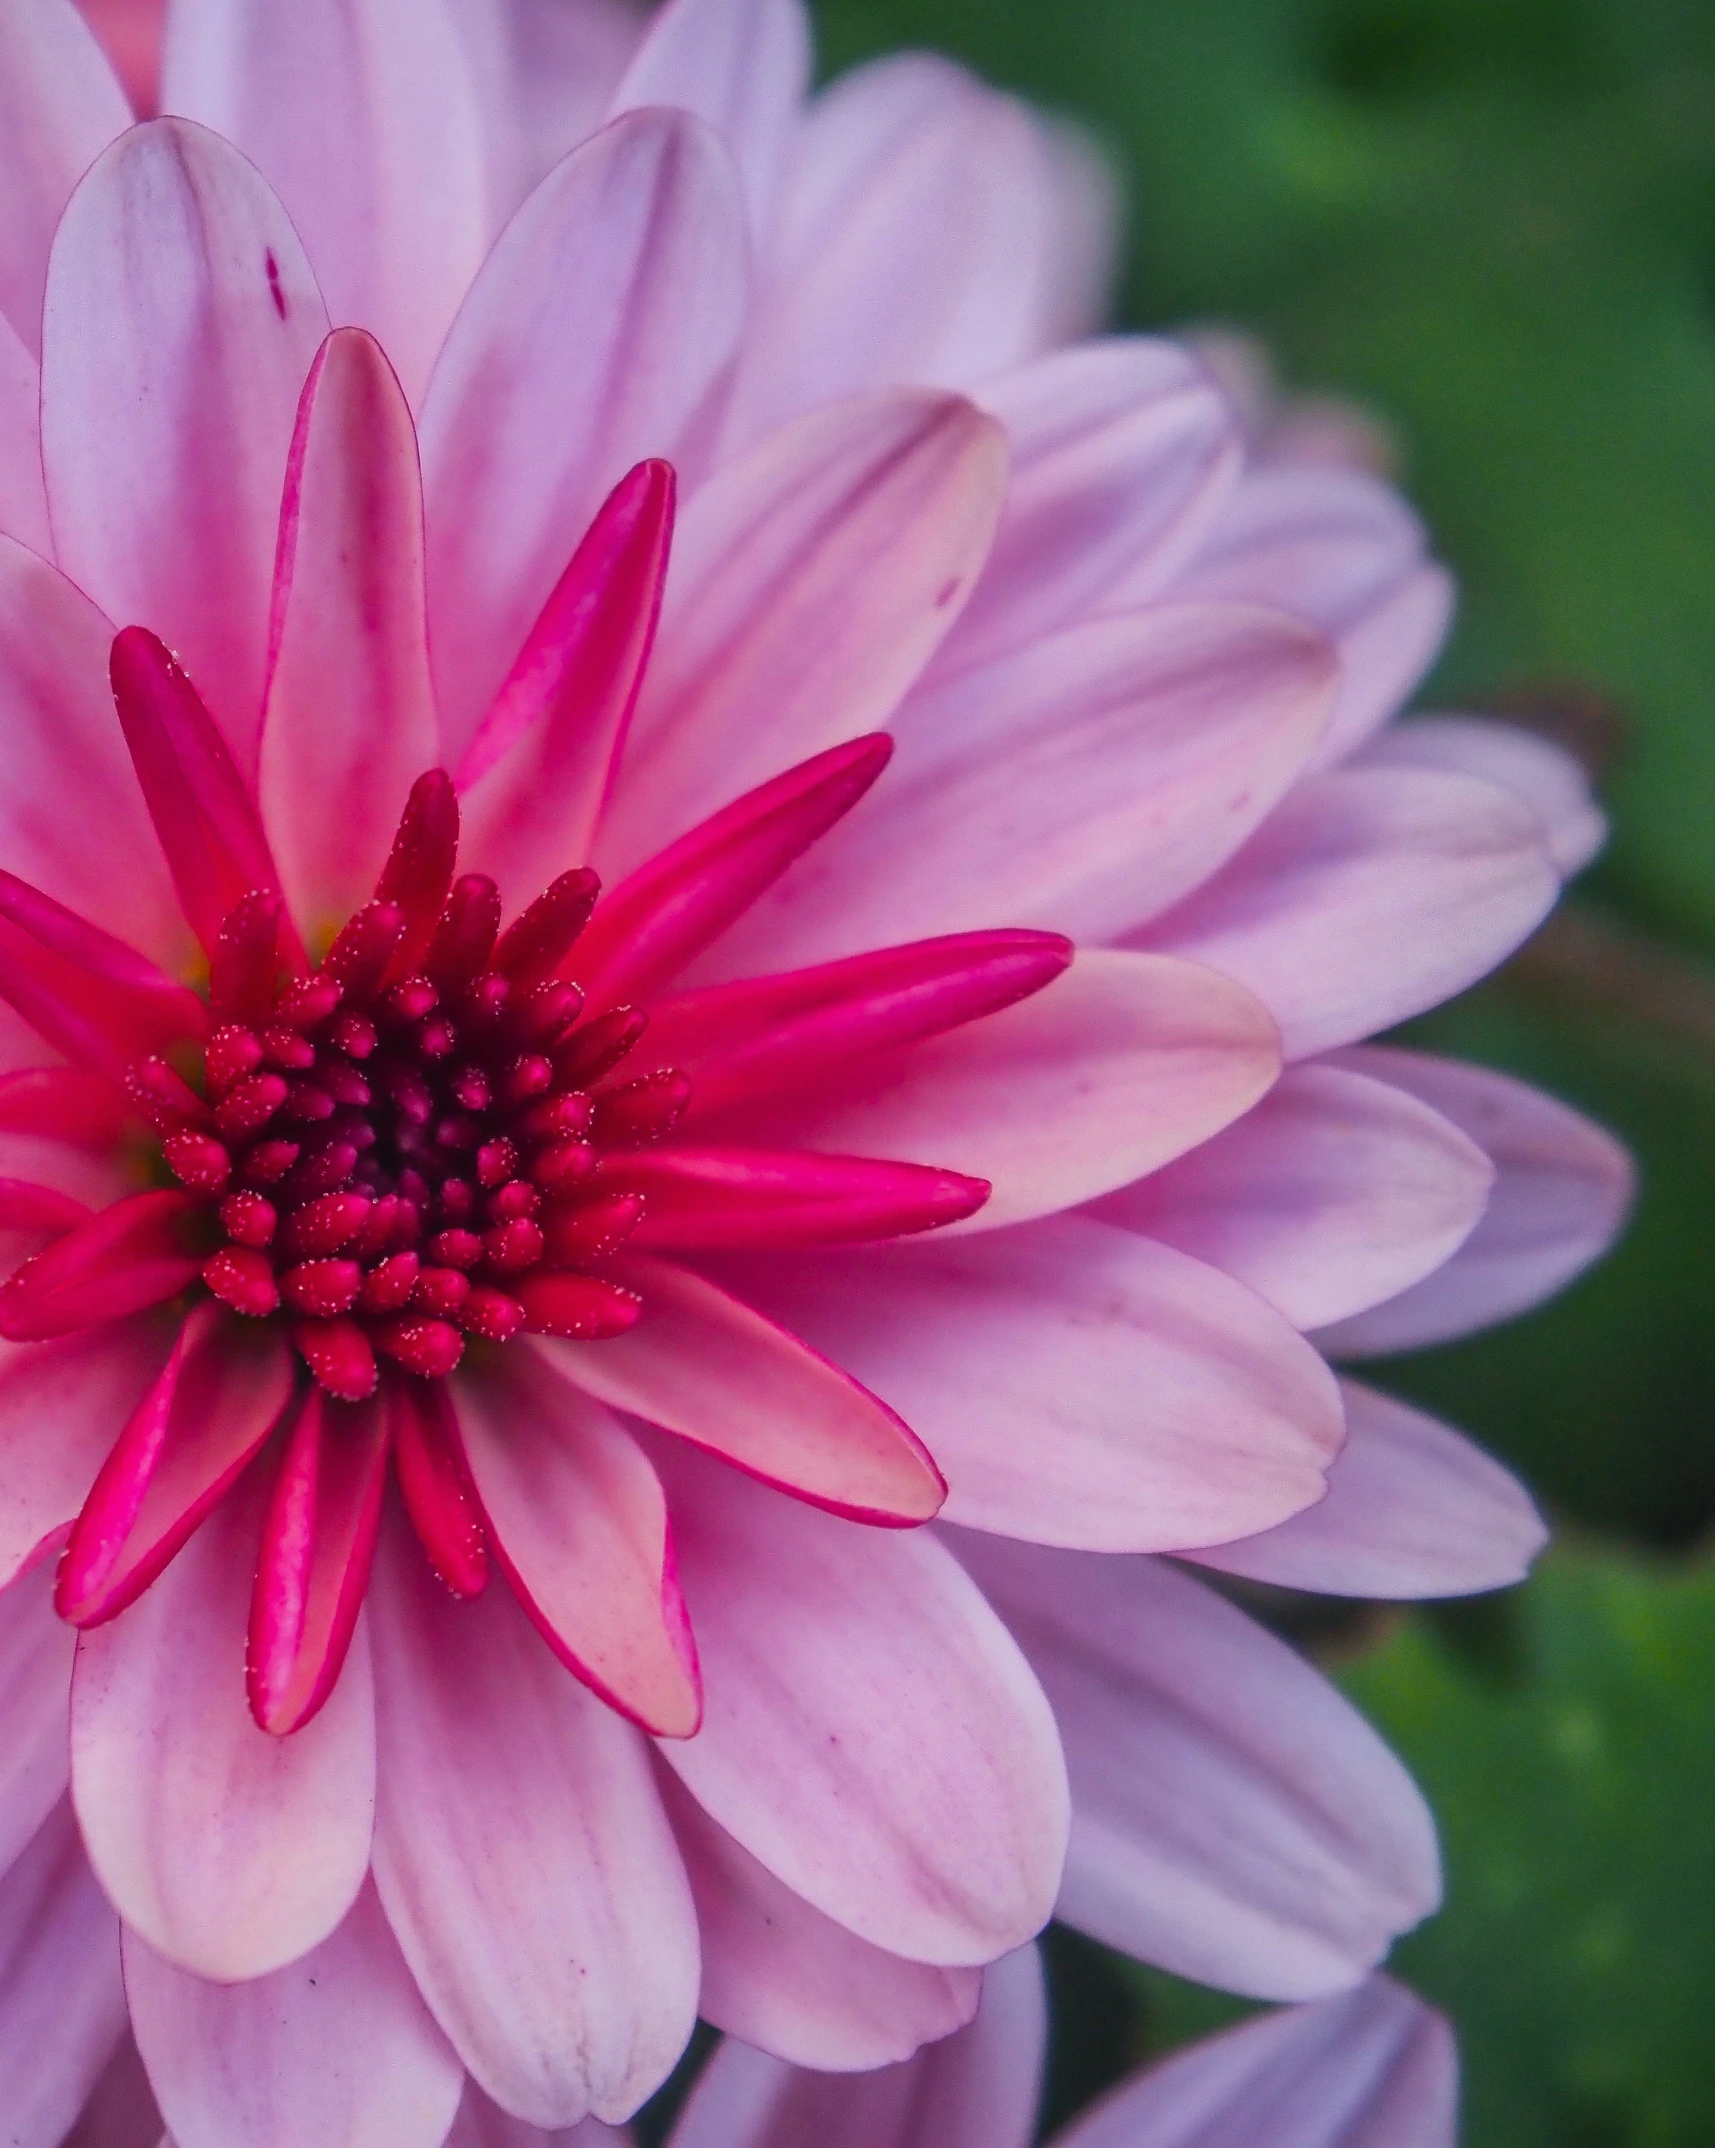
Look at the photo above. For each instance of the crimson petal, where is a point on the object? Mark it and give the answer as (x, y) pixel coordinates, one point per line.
(721, 1198)
(128, 1256)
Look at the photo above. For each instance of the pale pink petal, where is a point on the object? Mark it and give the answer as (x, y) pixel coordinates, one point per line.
(1540, 775)
(870, 1735)
(64, 768)
(1331, 1194)
(976, 2089)
(182, 316)
(1234, 1819)
(121, 2113)
(1413, 1510)
(578, 1522)
(1345, 552)
(810, 583)
(481, 2123)
(595, 336)
(1371, 2068)
(23, 499)
(62, 2005)
(523, 1857)
(35, 1682)
(336, 2047)
(231, 1852)
(1123, 1062)
(349, 720)
(1078, 785)
(793, 1982)
(1169, 1397)
(704, 1365)
(362, 116)
(744, 66)
(1563, 1188)
(1371, 894)
(59, 108)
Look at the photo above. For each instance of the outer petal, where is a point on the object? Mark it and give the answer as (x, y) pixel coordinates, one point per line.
(1370, 895)
(481, 2123)
(1539, 775)
(121, 2113)
(23, 499)
(871, 1735)
(349, 721)
(1372, 2068)
(231, 1852)
(1332, 1193)
(1413, 1510)
(62, 2007)
(1562, 1190)
(523, 1857)
(338, 2047)
(1235, 1820)
(1170, 1398)
(811, 581)
(595, 336)
(362, 116)
(35, 1679)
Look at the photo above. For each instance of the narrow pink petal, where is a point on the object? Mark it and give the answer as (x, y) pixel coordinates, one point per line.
(1345, 552)
(60, 1105)
(229, 1851)
(538, 771)
(62, 2005)
(596, 335)
(85, 1386)
(1413, 1510)
(1370, 894)
(121, 2111)
(523, 1857)
(1123, 1062)
(59, 109)
(35, 1681)
(1540, 775)
(1370, 2068)
(1563, 1188)
(704, 1365)
(812, 581)
(1171, 1399)
(713, 1199)
(23, 499)
(1234, 1819)
(64, 768)
(789, 1980)
(975, 2089)
(871, 1735)
(365, 122)
(578, 1523)
(349, 722)
(744, 66)
(181, 319)
(336, 2047)
(123, 1260)
(1331, 1194)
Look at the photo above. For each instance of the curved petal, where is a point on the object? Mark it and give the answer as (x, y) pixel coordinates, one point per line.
(1562, 1191)
(1234, 1819)
(1370, 894)
(349, 720)
(1540, 775)
(181, 320)
(1331, 1194)
(23, 497)
(231, 1852)
(336, 2047)
(362, 116)
(35, 1684)
(523, 1858)
(595, 336)
(870, 1735)
(1413, 1510)
(481, 2122)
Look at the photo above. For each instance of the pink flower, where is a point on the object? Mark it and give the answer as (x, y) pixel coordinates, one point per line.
(474, 1280)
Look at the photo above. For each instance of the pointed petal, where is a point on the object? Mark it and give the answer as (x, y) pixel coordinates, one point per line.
(336, 2047)
(35, 1680)
(523, 1858)
(1234, 1819)
(812, 581)
(349, 721)
(23, 498)
(231, 1852)
(532, 417)
(578, 1523)
(711, 1199)
(872, 1735)
(702, 1364)
(1540, 775)
(181, 319)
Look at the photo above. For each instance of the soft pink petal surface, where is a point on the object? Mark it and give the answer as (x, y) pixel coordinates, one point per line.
(23, 498)
(35, 1678)
(121, 2112)
(481, 2123)
(1540, 775)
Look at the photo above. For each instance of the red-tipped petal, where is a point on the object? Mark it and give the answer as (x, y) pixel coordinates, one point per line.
(709, 1199)
(128, 1256)
(592, 1230)
(435, 1485)
(534, 946)
(583, 1307)
(429, 1348)
(64, 1104)
(25, 1206)
(243, 1278)
(464, 939)
(339, 1357)
(245, 957)
(643, 1110)
(366, 945)
(419, 871)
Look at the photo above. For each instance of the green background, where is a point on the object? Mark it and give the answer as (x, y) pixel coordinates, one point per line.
(1493, 222)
